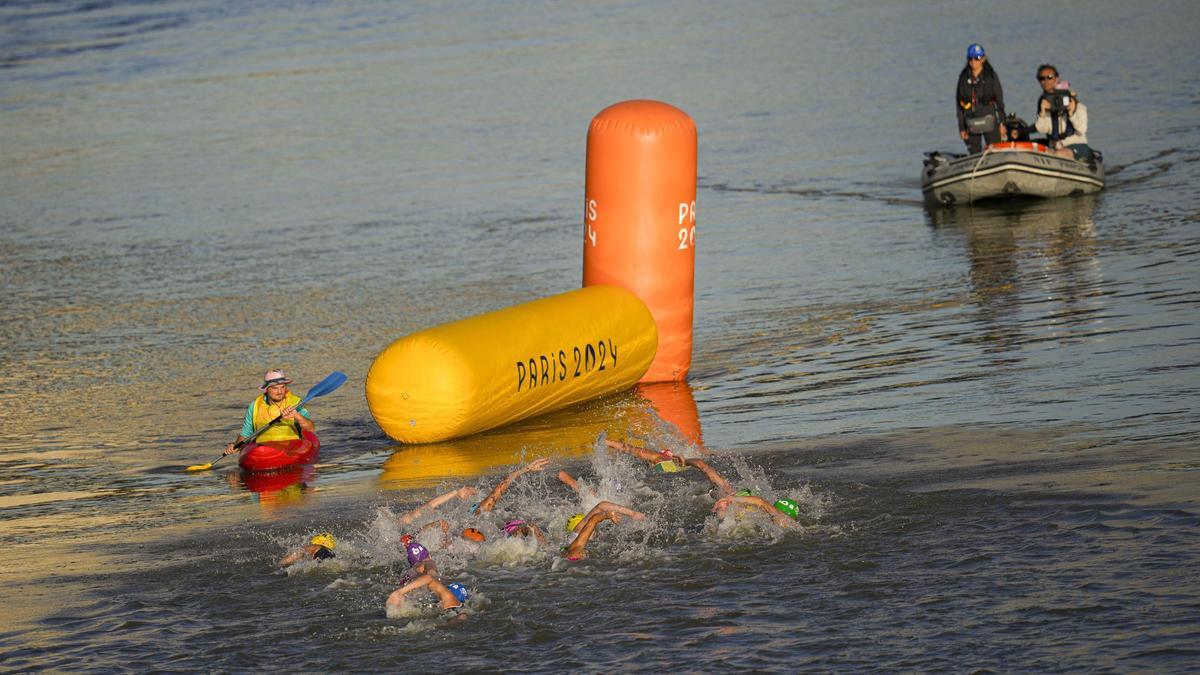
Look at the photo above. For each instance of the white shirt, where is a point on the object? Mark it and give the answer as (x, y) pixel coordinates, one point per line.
(1078, 120)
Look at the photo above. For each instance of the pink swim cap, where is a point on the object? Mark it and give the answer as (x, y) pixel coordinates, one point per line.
(510, 528)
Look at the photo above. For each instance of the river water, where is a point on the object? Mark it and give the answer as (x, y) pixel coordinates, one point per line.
(987, 415)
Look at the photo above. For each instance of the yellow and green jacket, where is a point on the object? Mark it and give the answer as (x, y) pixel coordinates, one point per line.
(259, 412)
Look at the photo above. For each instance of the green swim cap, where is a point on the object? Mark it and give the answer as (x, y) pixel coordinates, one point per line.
(788, 508)
(744, 492)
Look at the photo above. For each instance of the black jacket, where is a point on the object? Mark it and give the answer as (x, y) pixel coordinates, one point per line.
(978, 97)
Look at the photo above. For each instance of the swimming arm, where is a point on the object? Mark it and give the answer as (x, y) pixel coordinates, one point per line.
(489, 502)
(601, 512)
(299, 554)
(570, 482)
(460, 493)
(443, 593)
(612, 507)
(716, 478)
(640, 453)
(756, 502)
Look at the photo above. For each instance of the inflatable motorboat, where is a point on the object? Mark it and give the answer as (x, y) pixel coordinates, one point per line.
(1008, 169)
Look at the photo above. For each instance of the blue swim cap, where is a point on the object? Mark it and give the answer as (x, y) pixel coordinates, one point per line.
(975, 51)
(459, 591)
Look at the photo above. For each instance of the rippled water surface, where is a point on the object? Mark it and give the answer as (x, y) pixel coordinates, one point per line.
(986, 414)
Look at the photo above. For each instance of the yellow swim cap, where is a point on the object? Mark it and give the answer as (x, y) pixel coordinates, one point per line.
(668, 467)
(574, 522)
(324, 539)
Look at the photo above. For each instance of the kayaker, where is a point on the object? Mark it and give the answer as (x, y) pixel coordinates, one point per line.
(1058, 103)
(320, 547)
(979, 102)
(276, 400)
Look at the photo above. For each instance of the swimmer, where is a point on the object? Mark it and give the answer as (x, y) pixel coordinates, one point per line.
(489, 502)
(419, 562)
(451, 596)
(783, 512)
(569, 480)
(668, 462)
(411, 516)
(520, 528)
(320, 547)
(423, 572)
(425, 530)
(575, 521)
(585, 526)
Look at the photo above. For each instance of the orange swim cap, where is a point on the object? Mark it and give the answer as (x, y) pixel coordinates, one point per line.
(472, 534)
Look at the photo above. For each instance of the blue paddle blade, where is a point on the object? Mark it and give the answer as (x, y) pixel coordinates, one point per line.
(333, 381)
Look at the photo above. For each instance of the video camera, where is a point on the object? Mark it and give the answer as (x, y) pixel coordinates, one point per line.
(1060, 101)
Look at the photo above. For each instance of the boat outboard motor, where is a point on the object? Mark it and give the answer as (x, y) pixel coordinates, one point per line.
(1016, 127)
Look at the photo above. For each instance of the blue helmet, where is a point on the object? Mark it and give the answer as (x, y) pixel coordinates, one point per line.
(459, 591)
(975, 51)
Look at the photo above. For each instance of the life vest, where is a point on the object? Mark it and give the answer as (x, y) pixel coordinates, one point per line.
(264, 413)
(1057, 134)
(973, 106)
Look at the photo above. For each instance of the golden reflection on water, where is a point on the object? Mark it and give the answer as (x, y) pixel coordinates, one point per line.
(565, 433)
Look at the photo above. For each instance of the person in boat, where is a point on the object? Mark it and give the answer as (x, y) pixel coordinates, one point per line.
(320, 547)
(1061, 116)
(276, 401)
(979, 102)
(582, 527)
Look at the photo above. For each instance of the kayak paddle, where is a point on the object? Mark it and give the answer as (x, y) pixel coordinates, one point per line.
(325, 386)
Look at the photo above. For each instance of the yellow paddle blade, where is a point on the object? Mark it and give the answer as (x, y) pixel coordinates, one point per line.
(200, 467)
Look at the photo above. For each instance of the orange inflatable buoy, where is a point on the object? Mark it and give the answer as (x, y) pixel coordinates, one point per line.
(640, 219)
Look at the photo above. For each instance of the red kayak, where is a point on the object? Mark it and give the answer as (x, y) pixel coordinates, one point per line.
(271, 455)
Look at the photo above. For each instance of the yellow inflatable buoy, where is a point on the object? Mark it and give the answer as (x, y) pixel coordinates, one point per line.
(485, 371)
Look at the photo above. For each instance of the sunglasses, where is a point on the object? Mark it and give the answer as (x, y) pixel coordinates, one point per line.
(976, 58)
(1044, 78)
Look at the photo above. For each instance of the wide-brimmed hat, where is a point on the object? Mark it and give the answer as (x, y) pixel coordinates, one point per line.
(274, 377)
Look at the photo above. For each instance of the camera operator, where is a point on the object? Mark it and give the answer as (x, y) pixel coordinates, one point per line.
(1061, 116)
